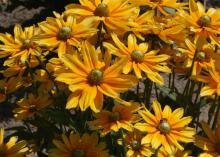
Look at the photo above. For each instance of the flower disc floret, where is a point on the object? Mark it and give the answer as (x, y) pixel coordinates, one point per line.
(27, 43)
(135, 145)
(137, 56)
(95, 77)
(64, 33)
(102, 10)
(78, 153)
(115, 116)
(204, 21)
(201, 55)
(164, 126)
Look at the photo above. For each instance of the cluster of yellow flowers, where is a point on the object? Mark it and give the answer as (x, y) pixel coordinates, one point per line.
(98, 50)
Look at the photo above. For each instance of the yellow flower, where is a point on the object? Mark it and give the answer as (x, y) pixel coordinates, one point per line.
(174, 153)
(212, 80)
(113, 13)
(9, 86)
(61, 34)
(165, 128)
(135, 148)
(21, 46)
(76, 146)
(13, 148)
(210, 145)
(203, 24)
(28, 107)
(160, 5)
(139, 59)
(120, 117)
(91, 78)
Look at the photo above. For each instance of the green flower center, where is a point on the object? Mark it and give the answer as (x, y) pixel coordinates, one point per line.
(137, 56)
(78, 153)
(164, 126)
(32, 108)
(204, 21)
(201, 55)
(95, 77)
(217, 147)
(102, 10)
(27, 43)
(64, 33)
(171, 155)
(136, 145)
(115, 116)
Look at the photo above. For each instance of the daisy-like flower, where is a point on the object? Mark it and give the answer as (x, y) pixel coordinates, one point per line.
(139, 59)
(135, 148)
(113, 13)
(9, 86)
(210, 144)
(212, 80)
(21, 46)
(91, 78)
(160, 5)
(202, 59)
(120, 117)
(13, 148)
(76, 146)
(175, 153)
(61, 34)
(203, 24)
(166, 128)
(28, 107)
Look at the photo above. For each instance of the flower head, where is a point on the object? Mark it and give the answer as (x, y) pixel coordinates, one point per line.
(60, 33)
(210, 144)
(121, 117)
(91, 78)
(114, 14)
(76, 146)
(139, 58)
(165, 128)
(175, 153)
(22, 45)
(13, 148)
(135, 148)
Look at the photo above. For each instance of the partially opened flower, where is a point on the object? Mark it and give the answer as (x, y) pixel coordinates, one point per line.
(211, 143)
(203, 24)
(135, 147)
(121, 117)
(166, 128)
(91, 78)
(75, 145)
(60, 33)
(12, 148)
(114, 14)
(28, 107)
(139, 58)
(22, 45)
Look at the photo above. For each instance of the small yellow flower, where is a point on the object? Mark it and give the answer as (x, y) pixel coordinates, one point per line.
(210, 145)
(76, 146)
(135, 148)
(174, 153)
(113, 13)
(28, 107)
(21, 46)
(60, 33)
(13, 148)
(120, 117)
(139, 59)
(203, 24)
(166, 128)
(91, 78)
